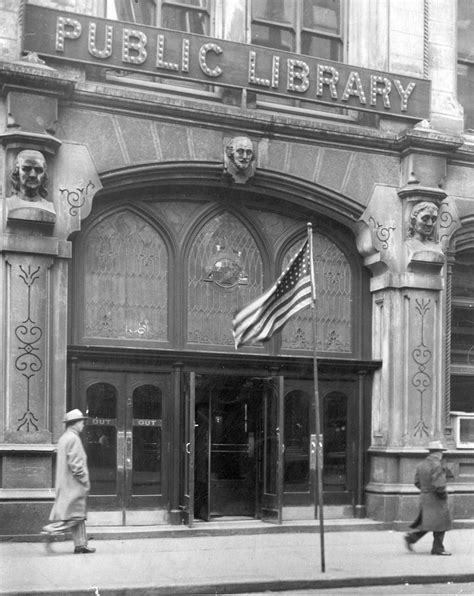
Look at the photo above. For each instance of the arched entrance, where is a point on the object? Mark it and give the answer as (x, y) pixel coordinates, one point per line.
(182, 425)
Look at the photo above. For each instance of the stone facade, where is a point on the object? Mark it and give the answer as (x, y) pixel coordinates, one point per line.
(366, 176)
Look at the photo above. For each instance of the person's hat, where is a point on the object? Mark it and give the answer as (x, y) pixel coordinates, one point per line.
(436, 446)
(74, 415)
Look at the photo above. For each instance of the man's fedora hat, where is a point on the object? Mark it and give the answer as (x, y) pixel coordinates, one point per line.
(436, 446)
(74, 415)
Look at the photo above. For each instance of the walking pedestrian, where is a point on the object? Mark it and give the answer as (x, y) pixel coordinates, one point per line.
(434, 515)
(72, 486)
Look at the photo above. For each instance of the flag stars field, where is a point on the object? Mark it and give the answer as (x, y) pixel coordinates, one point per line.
(292, 292)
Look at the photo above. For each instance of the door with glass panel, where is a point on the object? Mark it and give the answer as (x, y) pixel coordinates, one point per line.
(124, 438)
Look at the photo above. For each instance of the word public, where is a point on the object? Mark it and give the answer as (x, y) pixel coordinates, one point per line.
(185, 56)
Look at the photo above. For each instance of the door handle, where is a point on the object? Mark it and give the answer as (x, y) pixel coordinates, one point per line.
(187, 448)
(313, 451)
(120, 449)
(128, 450)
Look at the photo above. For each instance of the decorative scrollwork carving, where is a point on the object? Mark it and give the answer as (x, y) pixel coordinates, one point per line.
(382, 232)
(445, 221)
(77, 197)
(29, 334)
(421, 355)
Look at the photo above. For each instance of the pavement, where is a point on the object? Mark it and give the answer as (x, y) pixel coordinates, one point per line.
(232, 558)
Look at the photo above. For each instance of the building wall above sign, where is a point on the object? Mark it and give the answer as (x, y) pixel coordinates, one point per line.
(184, 56)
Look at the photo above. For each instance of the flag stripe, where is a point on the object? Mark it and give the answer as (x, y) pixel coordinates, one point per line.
(274, 323)
(281, 311)
(292, 291)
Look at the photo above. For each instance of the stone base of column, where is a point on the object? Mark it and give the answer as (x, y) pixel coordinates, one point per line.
(24, 513)
(391, 496)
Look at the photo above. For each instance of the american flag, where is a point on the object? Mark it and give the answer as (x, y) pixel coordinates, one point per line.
(260, 319)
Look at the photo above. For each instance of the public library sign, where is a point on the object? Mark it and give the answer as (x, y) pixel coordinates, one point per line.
(185, 56)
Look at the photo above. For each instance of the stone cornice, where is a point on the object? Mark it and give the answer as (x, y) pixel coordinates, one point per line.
(35, 77)
(69, 85)
(427, 140)
(212, 359)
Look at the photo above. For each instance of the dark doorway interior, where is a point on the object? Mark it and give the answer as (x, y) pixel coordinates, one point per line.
(228, 410)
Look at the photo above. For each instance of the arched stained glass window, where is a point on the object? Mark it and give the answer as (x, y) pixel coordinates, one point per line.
(334, 298)
(225, 272)
(125, 280)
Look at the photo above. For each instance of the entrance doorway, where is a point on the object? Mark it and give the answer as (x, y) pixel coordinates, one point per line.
(124, 438)
(234, 447)
(227, 413)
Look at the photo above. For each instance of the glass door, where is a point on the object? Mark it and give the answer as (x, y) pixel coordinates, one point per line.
(123, 438)
(272, 450)
(340, 461)
(188, 450)
(144, 477)
(103, 439)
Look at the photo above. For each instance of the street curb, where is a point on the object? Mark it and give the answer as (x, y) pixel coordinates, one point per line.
(217, 589)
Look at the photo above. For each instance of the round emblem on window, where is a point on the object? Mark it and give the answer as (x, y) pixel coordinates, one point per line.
(225, 268)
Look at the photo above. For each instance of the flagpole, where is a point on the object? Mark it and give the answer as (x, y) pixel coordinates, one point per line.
(319, 436)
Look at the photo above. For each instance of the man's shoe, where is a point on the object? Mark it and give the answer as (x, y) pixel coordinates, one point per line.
(83, 550)
(408, 542)
(443, 553)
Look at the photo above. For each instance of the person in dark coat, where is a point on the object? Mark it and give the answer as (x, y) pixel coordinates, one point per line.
(434, 515)
(72, 486)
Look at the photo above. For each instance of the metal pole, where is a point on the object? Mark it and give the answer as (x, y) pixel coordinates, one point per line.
(319, 436)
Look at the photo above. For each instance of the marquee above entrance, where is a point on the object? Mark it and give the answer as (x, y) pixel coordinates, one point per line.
(185, 56)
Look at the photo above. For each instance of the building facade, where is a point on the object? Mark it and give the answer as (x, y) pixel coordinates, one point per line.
(160, 163)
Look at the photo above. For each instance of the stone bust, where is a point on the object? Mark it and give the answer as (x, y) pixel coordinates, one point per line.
(29, 179)
(421, 243)
(239, 159)
(423, 219)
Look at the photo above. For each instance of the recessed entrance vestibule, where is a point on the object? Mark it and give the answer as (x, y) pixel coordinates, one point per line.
(180, 445)
(195, 429)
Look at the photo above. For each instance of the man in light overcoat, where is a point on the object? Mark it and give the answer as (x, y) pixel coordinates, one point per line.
(434, 515)
(72, 485)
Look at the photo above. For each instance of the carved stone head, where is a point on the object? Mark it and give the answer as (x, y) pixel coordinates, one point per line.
(239, 159)
(423, 219)
(29, 176)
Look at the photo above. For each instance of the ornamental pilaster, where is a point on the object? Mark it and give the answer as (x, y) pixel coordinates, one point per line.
(37, 217)
(403, 236)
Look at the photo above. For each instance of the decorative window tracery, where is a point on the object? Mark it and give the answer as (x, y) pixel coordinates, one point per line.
(125, 280)
(334, 299)
(212, 305)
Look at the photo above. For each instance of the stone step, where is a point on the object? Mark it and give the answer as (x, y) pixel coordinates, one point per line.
(235, 527)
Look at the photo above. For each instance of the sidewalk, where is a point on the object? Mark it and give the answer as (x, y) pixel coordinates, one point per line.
(217, 564)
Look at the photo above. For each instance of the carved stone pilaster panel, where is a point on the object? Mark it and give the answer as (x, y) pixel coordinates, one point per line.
(407, 405)
(423, 364)
(28, 312)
